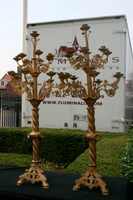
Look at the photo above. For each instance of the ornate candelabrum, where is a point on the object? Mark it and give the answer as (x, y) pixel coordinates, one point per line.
(69, 85)
(33, 68)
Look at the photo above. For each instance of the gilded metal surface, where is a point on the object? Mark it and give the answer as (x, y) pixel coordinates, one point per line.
(33, 68)
(91, 179)
(69, 85)
(34, 174)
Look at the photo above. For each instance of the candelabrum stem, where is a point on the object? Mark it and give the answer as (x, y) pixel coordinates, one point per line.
(92, 178)
(35, 149)
(35, 86)
(35, 131)
(35, 118)
(89, 84)
(35, 172)
(91, 119)
(91, 136)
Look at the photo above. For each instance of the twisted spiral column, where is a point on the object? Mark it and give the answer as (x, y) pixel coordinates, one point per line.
(35, 134)
(35, 172)
(92, 177)
(92, 137)
(35, 149)
(92, 152)
(35, 118)
(91, 119)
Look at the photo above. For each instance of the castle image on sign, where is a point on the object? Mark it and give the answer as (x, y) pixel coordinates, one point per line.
(61, 52)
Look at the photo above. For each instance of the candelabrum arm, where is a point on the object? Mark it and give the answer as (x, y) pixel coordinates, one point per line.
(70, 88)
(112, 86)
(30, 83)
(45, 90)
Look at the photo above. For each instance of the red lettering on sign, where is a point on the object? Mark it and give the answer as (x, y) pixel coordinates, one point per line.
(115, 59)
(70, 103)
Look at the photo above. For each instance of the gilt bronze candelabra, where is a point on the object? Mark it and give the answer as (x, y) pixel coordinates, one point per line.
(69, 85)
(32, 68)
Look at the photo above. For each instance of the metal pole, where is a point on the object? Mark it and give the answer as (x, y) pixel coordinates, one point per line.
(25, 17)
(24, 47)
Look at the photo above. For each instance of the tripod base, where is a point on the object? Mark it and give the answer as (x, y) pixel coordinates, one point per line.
(91, 179)
(34, 174)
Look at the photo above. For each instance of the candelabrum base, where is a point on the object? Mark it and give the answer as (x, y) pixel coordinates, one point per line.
(91, 179)
(34, 174)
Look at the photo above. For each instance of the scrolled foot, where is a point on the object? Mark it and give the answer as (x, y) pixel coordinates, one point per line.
(91, 179)
(34, 174)
(77, 184)
(45, 185)
(19, 183)
(105, 192)
(76, 188)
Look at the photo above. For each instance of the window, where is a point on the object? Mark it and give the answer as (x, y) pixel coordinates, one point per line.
(2, 83)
